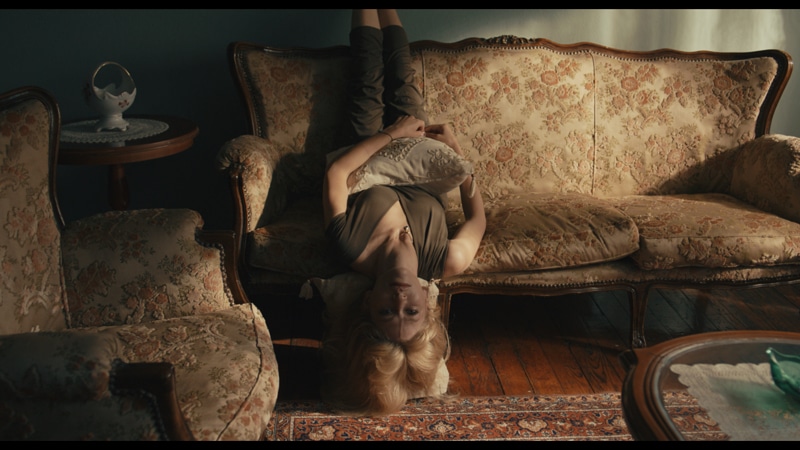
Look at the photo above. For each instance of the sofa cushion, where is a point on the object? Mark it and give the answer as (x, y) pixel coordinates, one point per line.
(295, 244)
(708, 230)
(544, 231)
(423, 162)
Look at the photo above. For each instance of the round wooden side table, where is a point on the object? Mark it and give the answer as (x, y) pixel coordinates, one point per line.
(178, 136)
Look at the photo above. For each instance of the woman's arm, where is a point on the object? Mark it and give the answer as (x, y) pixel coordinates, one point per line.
(465, 242)
(334, 188)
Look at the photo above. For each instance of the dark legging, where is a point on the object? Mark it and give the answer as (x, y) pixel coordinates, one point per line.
(382, 85)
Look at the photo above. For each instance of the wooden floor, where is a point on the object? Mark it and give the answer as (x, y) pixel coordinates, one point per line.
(541, 345)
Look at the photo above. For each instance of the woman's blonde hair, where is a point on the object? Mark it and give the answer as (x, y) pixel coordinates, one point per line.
(369, 374)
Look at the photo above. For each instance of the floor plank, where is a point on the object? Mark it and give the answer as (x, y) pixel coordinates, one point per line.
(554, 343)
(500, 339)
(542, 376)
(467, 339)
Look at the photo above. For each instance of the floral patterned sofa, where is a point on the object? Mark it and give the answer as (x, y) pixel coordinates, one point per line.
(601, 169)
(126, 325)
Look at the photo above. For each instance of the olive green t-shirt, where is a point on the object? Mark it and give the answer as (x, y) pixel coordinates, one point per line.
(350, 231)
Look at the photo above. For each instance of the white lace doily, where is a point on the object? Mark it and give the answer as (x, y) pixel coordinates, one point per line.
(83, 132)
(743, 400)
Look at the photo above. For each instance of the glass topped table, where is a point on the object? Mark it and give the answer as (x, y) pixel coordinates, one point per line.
(727, 372)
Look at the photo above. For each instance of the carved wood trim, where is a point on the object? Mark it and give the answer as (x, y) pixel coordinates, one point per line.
(156, 381)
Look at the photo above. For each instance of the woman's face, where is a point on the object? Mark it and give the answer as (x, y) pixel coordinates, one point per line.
(398, 305)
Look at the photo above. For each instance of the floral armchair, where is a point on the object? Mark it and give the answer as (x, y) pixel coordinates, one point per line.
(126, 325)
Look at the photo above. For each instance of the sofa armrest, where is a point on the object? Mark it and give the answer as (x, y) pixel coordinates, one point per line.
(766, 174)
(69, 385)
(252, 165)
(130, 267)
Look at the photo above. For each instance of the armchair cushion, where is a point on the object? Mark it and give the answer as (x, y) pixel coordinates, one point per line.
(128, 267)
(423, 162)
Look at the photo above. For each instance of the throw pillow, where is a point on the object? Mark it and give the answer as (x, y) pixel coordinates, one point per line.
(340, 291)
(423, 162)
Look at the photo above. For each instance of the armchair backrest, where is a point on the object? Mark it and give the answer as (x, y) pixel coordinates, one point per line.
(32, 296)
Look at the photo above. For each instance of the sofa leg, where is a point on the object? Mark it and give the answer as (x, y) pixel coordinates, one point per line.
(638, 306)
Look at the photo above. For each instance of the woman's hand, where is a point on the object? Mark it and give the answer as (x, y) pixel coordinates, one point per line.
(444, 133)
(406, 126)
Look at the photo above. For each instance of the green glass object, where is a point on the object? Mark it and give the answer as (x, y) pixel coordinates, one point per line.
(785, 371)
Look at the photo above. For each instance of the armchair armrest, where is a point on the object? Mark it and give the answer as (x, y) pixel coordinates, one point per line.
(129, 267)
(51, 383)
(69, 365)
(766, 174)
(158, 380)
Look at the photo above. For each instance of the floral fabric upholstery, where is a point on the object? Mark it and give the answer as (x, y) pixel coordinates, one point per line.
(766, 174)
(31, 289)
(523, 117)
(660, 121)
(551, 230)
(117, 270)
(79, 301)
(708, 230)
(293, 244)
(226, 376)
(542, 125)
(293, 93)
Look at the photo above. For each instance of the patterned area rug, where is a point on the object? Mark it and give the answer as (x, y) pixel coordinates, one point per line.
(536, 418)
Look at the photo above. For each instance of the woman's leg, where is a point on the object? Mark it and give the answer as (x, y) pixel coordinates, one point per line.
(401, 96)
(365, 88)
